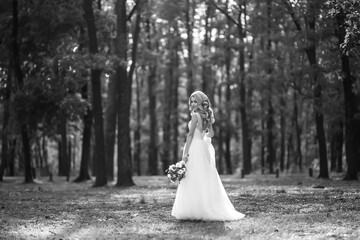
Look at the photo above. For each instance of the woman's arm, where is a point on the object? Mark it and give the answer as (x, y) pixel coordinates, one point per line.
(189, 137)
(210, 133)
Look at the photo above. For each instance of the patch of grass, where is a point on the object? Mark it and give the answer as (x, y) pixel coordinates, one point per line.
(275, 208)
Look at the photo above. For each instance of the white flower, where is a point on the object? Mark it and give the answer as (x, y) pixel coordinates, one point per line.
(180, 172)
(169, 176)
(178, 165)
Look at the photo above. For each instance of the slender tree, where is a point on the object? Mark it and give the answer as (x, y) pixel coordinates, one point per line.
(313, 8)
(86, 140)
(228, 130)
(189, 14)
(137, 132)
(246, 139)
(270, 123)
(350, 121)
(101, 179)
(19, 76)
(87, 124)
(124, 175)
(152, 95)
(5, 128)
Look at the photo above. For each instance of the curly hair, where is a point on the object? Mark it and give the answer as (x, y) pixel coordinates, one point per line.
(204, 109)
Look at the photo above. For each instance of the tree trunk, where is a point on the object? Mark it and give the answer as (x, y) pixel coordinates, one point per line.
(336, 145)
(262, 157)
(189, 28)
(100, 156)
(137, 132)
(110, 119)
(271, 157)
(319, 120)
(282, 132)
(124, 89)
(220, 133)
(86, 141)
(290, 151)
(350, 121)
(311, 55)
(174, 98)
(19, 77)
(5, 130)
(246, 140)
(64, 169)
(228, 105)
(152, 83)
(319, 117)
(270, 139)
(298, 155)
(165, 157)
(110, 124)
(206, 74)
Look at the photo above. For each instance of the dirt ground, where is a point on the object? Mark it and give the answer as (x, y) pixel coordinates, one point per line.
(289, 207)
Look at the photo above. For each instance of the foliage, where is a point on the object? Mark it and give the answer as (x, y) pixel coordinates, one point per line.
(55, 63)
(351, 8)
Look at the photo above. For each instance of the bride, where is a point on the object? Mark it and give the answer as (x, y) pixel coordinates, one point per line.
(201, 195)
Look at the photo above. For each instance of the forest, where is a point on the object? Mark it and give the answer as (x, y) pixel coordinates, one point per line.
(101, 88)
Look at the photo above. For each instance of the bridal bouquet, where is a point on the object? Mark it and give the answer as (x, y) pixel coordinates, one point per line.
(176, 172)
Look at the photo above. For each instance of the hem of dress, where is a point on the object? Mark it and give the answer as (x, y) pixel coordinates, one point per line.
(209, 219)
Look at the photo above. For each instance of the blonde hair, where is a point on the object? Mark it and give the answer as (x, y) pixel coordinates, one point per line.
(204, 108)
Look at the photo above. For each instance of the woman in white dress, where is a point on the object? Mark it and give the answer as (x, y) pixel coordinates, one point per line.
(201, 194)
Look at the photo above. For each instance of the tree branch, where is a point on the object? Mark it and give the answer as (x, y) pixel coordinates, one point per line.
(292, 14)
(128, 18)
(225, 12)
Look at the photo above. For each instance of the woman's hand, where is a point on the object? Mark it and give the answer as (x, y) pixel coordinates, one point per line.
(185, 158)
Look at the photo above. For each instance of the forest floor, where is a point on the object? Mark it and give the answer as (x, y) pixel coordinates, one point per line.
(289, 207)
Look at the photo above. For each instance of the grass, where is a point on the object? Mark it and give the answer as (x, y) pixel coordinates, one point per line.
(289, 207)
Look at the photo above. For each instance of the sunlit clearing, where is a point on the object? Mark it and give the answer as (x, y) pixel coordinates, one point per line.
(40, 231)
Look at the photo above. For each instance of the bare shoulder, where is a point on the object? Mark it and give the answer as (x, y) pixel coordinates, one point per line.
(195, 116)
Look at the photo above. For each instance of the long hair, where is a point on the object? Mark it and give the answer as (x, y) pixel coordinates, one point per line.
(204, 108)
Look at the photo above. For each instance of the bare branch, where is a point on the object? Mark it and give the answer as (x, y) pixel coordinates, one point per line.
(292, 14)
(225, 12)
(128, 18)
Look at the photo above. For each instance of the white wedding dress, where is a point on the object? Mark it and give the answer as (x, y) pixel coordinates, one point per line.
(201, 194)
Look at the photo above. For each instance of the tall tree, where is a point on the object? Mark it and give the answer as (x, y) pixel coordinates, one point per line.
(19, 76)
(228, 108)
(175, 61)
(152, 94)
(246, 138)
(208, 83)
(101, 179)
(86, 140)
(350, 120)
(313, 9)
(137, 132)
(189, 13)
(110, 122)
(270, 123)
(5, 129)
(124, 175)
(87, 125)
